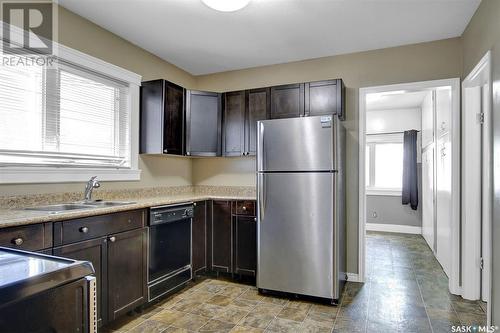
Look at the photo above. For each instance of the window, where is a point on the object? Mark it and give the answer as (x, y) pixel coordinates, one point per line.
(62, 116)
(384, 164)
(68, 122)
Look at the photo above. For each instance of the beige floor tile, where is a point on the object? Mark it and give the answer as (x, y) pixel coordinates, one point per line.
(251, 294)
(150, 326)
(219, 300)
(243, 329)
(256, 320)
(216, 326)
(293, 314)
(284, 326)
(208, 310)
(190, 322)
(168, 316)
(231, 314)
(265, 308)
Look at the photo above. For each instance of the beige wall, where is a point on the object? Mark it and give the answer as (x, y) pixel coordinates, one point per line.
(419, 62)
(83, 35)
(483, 34)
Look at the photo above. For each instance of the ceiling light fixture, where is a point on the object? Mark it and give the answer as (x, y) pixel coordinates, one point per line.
(226, 5)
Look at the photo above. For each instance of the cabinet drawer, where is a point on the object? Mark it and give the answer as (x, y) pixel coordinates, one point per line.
(73, 231)
(30, 237)
(246, 207)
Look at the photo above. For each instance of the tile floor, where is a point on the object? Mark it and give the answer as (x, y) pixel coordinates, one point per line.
(406, 291)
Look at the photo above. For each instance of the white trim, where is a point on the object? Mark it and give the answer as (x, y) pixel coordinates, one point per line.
(352, 277)
(26, 175)
(454, 279)
(472, 280)
(397, 228)
(383, 192)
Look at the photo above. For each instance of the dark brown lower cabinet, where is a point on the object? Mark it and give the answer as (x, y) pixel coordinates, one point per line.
(221, 237)
(120, 264)
(199, 235)
(245, 245)
(94, 251)
(127, 271)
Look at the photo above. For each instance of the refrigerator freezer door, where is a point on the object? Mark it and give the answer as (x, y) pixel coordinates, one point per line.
(296, 144)
(296, 233)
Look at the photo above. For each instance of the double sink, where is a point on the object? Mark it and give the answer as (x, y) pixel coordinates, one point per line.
(65, 207)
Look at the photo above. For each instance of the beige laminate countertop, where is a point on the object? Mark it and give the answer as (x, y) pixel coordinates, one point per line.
(19, 217)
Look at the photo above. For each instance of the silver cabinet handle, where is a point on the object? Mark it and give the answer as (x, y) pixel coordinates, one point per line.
(255, 219)
(18, 241)
(165, 151)
(84, 229)
(112, 239)
(244, 208)
(188, 154)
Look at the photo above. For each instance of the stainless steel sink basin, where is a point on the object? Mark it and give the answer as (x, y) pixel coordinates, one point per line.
(60, 208)
(109, 203)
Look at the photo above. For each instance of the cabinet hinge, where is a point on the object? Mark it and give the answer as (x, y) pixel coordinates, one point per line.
(480, 118)
(481, 263)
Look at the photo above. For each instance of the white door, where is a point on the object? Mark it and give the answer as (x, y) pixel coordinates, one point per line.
(428, 196)
(443, 203)
(428, 120)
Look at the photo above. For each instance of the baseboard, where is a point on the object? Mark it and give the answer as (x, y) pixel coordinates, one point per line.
(402, 229)
(352, 277)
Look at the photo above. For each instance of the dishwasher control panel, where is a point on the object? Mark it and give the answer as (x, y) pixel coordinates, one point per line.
(166, 214)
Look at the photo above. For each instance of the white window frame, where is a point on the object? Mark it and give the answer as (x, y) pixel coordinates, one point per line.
(58, 174)
(372, 141)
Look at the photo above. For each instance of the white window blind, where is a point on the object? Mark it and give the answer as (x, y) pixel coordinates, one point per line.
(63, 116)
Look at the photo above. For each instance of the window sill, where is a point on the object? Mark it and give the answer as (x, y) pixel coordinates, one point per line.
(383, 192)
(24, 175)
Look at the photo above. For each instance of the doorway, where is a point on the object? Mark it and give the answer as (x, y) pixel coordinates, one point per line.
(431, 108)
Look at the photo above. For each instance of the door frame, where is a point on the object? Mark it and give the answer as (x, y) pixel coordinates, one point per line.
(454, 278)
(480, 76)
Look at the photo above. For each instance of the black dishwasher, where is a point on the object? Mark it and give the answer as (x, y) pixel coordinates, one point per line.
(169, 253)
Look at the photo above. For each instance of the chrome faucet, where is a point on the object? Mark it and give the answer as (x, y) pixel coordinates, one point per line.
(91, 185)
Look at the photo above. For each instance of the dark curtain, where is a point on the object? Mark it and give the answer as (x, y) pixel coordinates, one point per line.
(410, 176)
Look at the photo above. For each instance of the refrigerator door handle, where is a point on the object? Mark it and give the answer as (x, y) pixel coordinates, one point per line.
(260, 146)
(262, 197)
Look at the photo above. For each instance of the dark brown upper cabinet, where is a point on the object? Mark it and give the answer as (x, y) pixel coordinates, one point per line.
(287, 101)
(258, 108)
(203, 123)
(162, 118)
(242, 110)
(324, 98)
(233, 139)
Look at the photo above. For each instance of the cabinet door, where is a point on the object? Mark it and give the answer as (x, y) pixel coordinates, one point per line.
(323, 98)
(199, 235)
(443, 111)
(174, 119)
(127, 271)
(428, 119)
(287, 101)
(258, 108)
(245, 245)
(203, 123)
(221, 236)
(428, 220)
(152, 97)
(443, 203)
(94, 251)
(234, 121)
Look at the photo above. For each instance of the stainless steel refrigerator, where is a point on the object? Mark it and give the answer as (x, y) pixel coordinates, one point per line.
(301, 206)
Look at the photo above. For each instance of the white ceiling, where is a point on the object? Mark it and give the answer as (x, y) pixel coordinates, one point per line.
(200, 40)
(405, 100)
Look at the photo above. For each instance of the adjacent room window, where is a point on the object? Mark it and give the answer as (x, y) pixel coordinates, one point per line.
(64, 116)
(384, 164)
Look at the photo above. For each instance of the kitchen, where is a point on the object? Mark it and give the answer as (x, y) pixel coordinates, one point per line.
(211, 162)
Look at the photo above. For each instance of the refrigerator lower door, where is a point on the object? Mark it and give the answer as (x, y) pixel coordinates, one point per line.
(296, 234)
